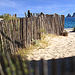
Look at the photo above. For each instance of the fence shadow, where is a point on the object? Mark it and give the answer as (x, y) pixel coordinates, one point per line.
(72, 31)
(62, 66)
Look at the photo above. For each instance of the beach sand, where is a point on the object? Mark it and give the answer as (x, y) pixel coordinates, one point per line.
(58, 47)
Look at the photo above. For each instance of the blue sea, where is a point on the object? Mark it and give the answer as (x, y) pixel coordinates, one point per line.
(69, 22)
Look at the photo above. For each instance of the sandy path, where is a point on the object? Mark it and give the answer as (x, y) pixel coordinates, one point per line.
(59, 47)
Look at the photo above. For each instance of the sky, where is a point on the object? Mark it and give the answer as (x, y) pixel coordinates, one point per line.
(62, 7)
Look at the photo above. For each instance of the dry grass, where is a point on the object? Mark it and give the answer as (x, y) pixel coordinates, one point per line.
(25, 51)
(52, 35)
(40, 44)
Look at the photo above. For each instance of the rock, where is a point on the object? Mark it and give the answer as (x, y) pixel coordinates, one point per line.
(73, 15)
(69, 15)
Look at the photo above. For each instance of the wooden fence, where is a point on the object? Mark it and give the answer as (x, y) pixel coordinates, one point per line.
(20, 32)
(14, 65)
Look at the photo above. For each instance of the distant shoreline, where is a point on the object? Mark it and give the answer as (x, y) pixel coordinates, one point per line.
(68, 28)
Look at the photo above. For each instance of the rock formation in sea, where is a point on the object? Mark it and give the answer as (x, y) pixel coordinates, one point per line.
(73, 15)
(69, 15)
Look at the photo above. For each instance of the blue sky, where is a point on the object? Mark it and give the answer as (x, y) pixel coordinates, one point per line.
(36, 6)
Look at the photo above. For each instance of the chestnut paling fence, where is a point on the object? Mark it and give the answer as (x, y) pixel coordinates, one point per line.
(14, 65)
(17, 33)
(20, 32)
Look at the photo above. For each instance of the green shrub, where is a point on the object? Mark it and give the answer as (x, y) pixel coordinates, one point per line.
(74, 29)
(1, 16)
(65, 33)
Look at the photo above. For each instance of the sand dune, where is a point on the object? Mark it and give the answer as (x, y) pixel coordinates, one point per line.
(58, 47)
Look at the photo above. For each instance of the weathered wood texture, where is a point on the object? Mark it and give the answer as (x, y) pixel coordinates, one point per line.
(8, 66)
(19, 32)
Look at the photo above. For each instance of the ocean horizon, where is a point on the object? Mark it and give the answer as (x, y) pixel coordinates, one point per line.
(69, 22)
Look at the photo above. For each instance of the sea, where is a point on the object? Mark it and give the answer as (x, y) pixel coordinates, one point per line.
(69, 22)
